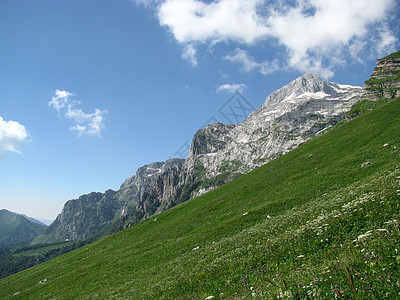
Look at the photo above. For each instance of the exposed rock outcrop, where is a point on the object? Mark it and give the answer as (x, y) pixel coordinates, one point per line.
(385, 80)
(305, 107)
(84, 217)
(154, 189)
(220, 152)
(142, 195)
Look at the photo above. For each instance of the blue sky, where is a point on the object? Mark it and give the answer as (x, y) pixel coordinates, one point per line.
(90, 90)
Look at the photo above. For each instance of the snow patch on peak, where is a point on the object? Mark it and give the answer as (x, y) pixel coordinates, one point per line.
(316, 95)
(347, 86)
(153, 171)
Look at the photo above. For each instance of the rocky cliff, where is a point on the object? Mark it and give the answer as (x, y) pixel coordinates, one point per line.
(385, 80)
(290, 116)
(142, 195)
(219, 153)
(305, 107)
(83, 217)
(153, 189)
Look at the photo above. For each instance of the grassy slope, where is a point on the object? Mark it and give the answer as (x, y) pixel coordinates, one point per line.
(289, 228)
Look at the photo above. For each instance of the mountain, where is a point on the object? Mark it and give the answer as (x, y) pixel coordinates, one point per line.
(219, 153)
(37, 221)
(97, 213)
(45, 221)
(15, 228)
(319, 222)
(304, 108)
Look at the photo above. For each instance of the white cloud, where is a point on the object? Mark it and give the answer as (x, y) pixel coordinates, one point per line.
(148, 3)
(85, 123)
(386, 41)
(91, 124)
(316, 42)
(249, 64)
(317, 35)
(189, 53)
(231, 88)
(12, 136)
(60, 100)
(192, 20)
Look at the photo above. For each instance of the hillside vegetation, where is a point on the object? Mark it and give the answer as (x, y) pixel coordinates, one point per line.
(319, 222)
(16, 228)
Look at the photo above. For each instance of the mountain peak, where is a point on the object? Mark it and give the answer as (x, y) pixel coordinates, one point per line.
(308, 83)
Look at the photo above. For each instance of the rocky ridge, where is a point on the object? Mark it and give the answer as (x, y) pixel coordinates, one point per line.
(305, 107)
(96, 213)
(219, 153)
(385, 80)
(290, 116)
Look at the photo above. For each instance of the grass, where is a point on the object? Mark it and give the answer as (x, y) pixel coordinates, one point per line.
(393, 55)
(312, 224)
(394, 77)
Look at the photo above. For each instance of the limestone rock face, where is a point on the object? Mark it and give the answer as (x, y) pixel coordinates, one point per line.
(154, 189)
(385, 80)
(84, 217)
(142, 195)
(290, 116)
(219, 153)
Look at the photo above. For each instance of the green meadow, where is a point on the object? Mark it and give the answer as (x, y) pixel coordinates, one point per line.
(321, 222)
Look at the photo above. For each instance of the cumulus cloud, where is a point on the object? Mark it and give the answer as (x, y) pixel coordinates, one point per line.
(85, 123)
(192, 20)
(12, 136)
(317, 35)
(315, 31)
(231, 88)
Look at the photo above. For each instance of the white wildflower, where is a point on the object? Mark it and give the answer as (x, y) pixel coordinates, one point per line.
(367, 234)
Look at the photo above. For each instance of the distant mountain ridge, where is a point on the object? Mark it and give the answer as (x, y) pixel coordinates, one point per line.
(34, 220)
(16, 228)
(219, 153)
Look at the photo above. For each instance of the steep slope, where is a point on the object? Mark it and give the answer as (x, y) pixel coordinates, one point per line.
(318, 222)
(15, 228)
